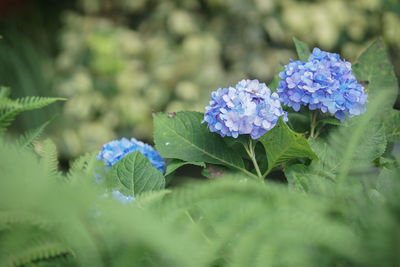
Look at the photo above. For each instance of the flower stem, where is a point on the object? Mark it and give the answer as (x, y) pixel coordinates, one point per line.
(313, 124)
(250, 152)
(319, 130)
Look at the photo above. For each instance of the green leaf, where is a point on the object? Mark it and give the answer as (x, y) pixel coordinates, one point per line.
(386, 181)
(296, 176)
(239, 144)
(348, 150)
(388, 163)
(282, 144)
(368, 146)
(177, 163)
(183, 136)
(134, 174)
(392, 125)
(298, 122)
(375, 71)
(328, 161)
(330, 120)
(365, 141)
(303, 51)
(302, 178)
(242, 140)
(275, 81)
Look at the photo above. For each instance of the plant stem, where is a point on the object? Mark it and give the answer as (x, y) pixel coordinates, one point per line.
(319, 130)
(250, 152)
(266, 173)
(313, 124)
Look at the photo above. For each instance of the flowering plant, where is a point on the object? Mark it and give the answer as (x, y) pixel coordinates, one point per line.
(248, 134)
(245, 127)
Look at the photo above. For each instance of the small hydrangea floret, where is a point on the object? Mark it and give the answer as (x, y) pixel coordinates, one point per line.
(115, 150)
(324, 82)
(247, 108)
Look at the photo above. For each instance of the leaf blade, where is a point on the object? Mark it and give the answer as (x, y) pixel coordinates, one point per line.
(134, 174)
(302, 49)
(183, 136)
(176, 163)
(282, 144)
(392, 126)
(375, 68)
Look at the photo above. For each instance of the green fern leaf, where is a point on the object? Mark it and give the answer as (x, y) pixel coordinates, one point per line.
(21, 218)
(87, 165)
(7, 115)
(150, 198)
(40, 252)
(30, 136)
(48, 152)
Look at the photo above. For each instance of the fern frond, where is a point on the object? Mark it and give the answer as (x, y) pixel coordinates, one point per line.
(7, 115)
(36, 102)
(30, 136)
(246, 221)
(39, 252)
(12, 218)
(86, 165)
(7, 103)
(48, 152)
(150, 198)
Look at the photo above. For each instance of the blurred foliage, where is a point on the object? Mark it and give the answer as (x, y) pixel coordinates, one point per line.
(49, 218)
(119, 60)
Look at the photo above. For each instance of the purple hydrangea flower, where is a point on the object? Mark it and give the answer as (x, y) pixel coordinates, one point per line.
(117, 149)
(247, 108)
(324, 82)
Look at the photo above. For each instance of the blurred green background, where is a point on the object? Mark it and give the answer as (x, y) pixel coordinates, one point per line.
(117, 60)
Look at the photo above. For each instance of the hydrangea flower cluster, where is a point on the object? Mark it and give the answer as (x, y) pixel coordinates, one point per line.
(324, 82)
(247, 108)
(117, 149)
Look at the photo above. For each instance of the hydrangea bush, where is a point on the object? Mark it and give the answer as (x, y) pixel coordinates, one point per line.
(244, 127)
(336, 179)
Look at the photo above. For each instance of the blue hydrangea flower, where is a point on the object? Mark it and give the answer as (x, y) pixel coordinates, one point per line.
(117, 149)
(121, 197)
(247, 108)
(324, 82)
